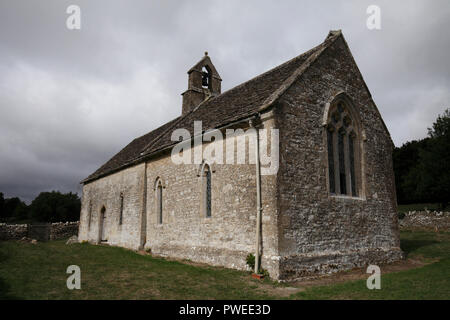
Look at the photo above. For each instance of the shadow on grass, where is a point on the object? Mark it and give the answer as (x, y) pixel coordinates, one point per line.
(4, 291)
(409, 245)
(4, 286)
(3, 257)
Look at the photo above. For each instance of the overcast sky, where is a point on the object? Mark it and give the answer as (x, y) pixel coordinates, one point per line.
(71, 99)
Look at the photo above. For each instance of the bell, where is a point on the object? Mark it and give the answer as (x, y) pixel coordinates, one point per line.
(205, 79)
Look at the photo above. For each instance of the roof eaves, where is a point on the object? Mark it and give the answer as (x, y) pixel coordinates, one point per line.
(144, 157)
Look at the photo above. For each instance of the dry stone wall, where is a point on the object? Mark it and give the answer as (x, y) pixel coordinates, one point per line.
(43, 232)
(63, 230)
(427, 220)
(13, 231)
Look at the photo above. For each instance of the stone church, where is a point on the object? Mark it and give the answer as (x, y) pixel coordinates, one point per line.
(329, 206)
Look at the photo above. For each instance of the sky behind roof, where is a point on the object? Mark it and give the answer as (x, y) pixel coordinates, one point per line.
(71, 99)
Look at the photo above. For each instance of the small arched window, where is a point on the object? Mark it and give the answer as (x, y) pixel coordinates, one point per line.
(89, 215)
(206, 190)
(343, 148)
(121, 209)
(159, 200)
(102, 224)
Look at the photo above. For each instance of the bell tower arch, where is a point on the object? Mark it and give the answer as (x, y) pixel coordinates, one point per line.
(203, 82)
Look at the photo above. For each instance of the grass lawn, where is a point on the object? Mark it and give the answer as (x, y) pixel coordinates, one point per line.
(38, 271)
(431, 281)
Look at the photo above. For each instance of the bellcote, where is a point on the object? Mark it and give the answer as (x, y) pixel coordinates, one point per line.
(203, 82)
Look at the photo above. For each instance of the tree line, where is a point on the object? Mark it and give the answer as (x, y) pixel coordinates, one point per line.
(422, 167)
(51, 206)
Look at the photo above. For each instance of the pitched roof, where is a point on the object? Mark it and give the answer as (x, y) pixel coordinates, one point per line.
(244, 100)
(128, 153)
(205, 60)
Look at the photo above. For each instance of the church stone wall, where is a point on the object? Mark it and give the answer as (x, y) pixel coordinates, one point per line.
(106, 192)
(320, 233)
(228, 236)
(224, 239)
(305, 230)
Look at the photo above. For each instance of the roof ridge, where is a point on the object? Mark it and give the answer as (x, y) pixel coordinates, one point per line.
(195, 65)
(151, 143)
(257, 100)
(247, 81)
(332, 36)
(264, 73)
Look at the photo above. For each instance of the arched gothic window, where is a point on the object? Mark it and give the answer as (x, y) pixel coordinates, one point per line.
(206, 190)
(343, 146)
(103, 224)
(159, 200)
(90, 215)
(121, 209)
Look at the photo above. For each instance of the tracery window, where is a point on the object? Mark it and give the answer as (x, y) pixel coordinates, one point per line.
(343, 148)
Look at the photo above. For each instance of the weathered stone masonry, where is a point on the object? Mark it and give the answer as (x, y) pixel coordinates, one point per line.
(306, 229)
(320, 232)
(106, 193)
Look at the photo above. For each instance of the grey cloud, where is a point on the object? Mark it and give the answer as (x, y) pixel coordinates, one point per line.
(70, 99)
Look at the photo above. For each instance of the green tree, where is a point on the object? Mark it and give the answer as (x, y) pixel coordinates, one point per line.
(434, 164)
(2, 207)
(21, 211)
(441, 128)
(12, 209)
(55, 206)
(406, 162)
(422, 168)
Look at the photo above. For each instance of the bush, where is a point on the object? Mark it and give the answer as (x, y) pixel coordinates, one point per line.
(13, 209)
(251, 261)
(421, 167)
(265, 273)
(55, 206)
(401, 215)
